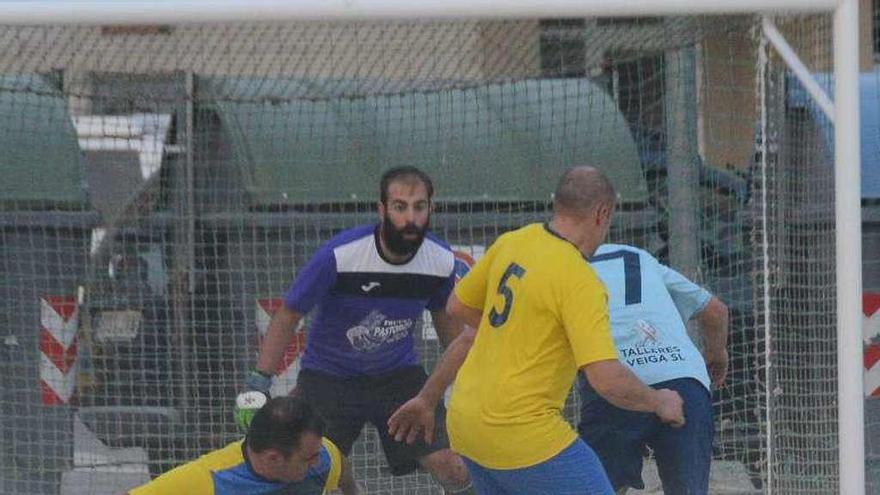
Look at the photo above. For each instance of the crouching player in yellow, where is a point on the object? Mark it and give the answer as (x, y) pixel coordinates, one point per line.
(284, 452)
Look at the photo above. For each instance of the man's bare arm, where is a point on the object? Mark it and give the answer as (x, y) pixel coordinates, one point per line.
(713, 321)
(282, 330)
(447, 367)
(443, 374)
(619, 386)
(447, 328)
(462, 312)
(416, 416)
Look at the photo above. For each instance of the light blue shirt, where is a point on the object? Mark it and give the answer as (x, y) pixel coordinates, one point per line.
(649, 304)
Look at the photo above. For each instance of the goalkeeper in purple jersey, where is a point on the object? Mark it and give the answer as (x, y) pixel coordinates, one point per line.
(648, 304)
(368, 288)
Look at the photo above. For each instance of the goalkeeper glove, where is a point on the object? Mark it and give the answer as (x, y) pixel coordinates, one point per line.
(249, 402)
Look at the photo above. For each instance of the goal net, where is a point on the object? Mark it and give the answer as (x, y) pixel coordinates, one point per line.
(162, 185)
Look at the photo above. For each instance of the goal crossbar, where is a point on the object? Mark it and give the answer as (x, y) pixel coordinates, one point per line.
(199, 11)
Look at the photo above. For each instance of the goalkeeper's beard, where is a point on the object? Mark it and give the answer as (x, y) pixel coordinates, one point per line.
(395, 240)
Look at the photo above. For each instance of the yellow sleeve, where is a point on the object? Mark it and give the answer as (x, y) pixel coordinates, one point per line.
(471, 290)
(586, 321)
(189, 478)
(335, 465)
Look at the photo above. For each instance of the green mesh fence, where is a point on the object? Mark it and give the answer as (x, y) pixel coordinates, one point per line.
(168, 180)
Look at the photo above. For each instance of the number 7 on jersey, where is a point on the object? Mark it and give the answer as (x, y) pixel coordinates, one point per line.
(497, 319)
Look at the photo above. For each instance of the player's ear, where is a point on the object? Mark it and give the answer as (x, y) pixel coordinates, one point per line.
(597, 215)
(603, 213)
(380, 207)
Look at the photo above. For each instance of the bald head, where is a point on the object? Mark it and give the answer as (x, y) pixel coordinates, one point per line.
(580, 190)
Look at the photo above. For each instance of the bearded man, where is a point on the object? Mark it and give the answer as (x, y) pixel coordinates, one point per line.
(368, 287)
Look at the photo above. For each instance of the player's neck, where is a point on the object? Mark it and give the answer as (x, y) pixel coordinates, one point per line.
(576, 232)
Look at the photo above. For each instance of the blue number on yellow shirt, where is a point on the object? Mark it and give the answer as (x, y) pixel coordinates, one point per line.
(632, 273)
(513, 270)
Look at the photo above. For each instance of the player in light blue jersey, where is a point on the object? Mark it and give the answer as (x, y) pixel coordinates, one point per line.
(649, 304)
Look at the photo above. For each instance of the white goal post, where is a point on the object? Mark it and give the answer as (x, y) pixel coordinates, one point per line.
(845, 105)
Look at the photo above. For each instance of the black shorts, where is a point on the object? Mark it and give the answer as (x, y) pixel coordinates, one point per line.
(346, 404)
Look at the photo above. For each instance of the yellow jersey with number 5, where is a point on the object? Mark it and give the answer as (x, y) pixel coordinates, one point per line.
(545, 315)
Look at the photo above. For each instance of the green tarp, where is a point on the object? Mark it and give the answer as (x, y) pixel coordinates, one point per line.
(300, 142)
(40, 162)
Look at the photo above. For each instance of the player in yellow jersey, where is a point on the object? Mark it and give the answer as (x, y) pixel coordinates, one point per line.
(540, 314)
(283, 452)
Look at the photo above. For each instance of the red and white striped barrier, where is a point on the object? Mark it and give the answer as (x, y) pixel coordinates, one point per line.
(871, 336)
(285, 376)
(59, 320)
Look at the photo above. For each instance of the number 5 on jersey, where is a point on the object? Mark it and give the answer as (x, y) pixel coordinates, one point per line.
(497, 319)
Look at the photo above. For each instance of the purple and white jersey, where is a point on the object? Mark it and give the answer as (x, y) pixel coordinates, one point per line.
(366, 308)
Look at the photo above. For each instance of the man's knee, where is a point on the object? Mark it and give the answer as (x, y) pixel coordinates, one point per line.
(448, 469)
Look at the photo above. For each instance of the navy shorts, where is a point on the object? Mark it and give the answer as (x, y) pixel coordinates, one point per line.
(346, 404)
(683, 455)
(574, 471)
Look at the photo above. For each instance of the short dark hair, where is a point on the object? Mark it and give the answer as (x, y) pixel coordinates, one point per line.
(281, 423)
(582, 188)
(404, 174)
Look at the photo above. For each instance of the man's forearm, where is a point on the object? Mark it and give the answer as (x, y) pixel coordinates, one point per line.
(447, 367)
(447, 328)
(713, 321)
(281, 332)
(619, 386)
